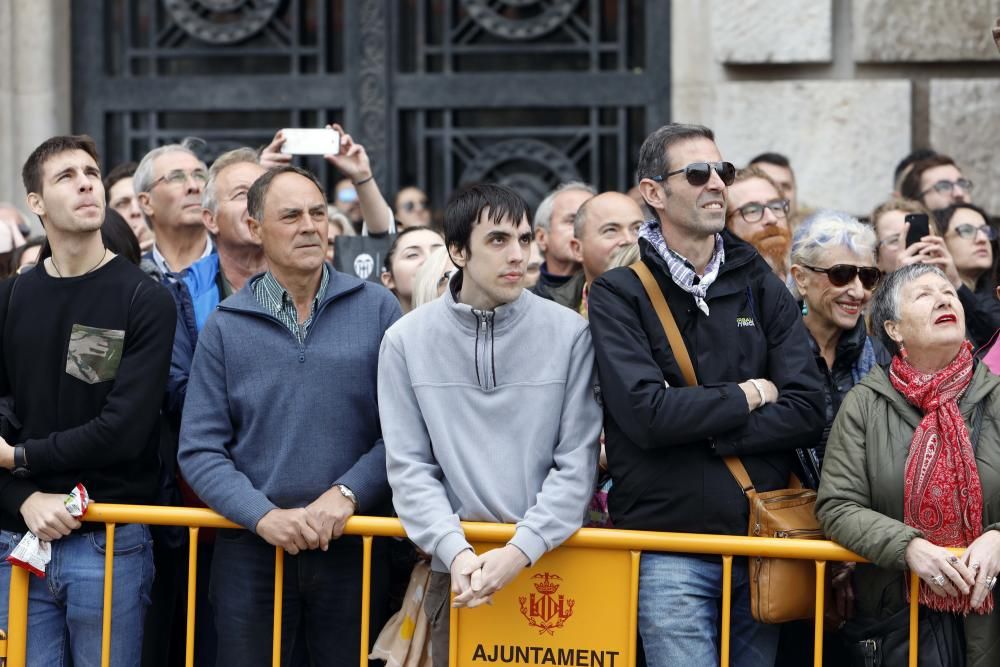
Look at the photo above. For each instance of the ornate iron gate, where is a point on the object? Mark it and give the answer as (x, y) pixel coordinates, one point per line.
(441, 92)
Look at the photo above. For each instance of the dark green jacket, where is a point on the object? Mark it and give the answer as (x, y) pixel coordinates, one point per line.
(860, 503)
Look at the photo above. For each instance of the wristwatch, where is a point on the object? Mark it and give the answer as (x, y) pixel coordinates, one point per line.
(347, 493)
(21, 469)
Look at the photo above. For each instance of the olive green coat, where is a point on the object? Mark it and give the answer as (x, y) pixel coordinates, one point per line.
(860, 504)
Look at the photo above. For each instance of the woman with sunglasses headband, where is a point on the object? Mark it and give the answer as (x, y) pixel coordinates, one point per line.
(913, 468)
(833, 266)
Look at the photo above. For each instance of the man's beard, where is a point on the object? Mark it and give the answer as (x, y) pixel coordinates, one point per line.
(773, 243)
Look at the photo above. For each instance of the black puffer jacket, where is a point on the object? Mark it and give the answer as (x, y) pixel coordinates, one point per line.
(665, 441)
(837, 381)
(982, 312)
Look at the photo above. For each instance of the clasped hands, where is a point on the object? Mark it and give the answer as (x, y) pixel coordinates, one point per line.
(973, 574)
(475, 578)
(310, 527)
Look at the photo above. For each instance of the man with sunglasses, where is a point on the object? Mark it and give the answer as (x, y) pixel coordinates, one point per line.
(937, 183)
(169, 182)
(758, 395)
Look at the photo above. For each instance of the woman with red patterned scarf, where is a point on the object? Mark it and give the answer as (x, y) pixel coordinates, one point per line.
(912, 469)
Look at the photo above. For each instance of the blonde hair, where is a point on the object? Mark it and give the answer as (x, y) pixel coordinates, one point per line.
(425, 281)
(624, 256)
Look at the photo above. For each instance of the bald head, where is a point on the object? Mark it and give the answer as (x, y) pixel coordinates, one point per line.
(604, 223)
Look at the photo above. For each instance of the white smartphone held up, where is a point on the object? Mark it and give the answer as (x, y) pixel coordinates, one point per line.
(310, 141)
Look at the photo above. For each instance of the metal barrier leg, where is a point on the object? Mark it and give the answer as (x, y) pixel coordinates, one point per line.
(17, 619)
(820, 605)
(366, 604)
(452, 632)
(727, 604)
(279, 592)
(192, 594)
(109, 577)
(633, 608)
(914, 617)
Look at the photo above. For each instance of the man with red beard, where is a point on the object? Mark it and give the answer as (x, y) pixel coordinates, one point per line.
(758, 214)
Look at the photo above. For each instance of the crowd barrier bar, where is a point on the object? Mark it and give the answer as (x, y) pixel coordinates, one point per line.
(634, 541)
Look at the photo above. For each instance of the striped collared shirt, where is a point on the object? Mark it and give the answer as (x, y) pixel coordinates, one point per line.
(276, 300)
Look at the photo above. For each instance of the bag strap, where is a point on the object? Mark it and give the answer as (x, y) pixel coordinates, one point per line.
(666, 321)
(682, 357)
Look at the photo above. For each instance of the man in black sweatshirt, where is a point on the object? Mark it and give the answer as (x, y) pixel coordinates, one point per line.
(86, 341)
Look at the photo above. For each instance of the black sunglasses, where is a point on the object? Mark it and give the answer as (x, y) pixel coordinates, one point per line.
(698, 173)
(411, 206)
(841, 274)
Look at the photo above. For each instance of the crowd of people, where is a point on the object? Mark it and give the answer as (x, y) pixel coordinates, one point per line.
(180, 335)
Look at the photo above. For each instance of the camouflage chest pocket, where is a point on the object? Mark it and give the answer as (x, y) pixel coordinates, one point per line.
(94, 354)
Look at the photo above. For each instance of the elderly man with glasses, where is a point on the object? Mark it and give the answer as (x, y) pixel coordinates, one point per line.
(755, 394)
(169, 182)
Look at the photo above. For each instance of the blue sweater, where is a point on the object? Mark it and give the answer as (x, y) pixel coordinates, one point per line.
(271, 424)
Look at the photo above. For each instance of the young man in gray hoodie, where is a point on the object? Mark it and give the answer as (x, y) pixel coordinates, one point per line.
(488, 410)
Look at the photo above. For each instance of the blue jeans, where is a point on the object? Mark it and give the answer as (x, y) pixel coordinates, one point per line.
(680, 601)
(321, 605)
(65, 609)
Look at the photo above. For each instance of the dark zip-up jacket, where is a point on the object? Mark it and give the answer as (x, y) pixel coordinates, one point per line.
(569, 294)
(665, 441)
(982, 312)
(271, 423)
(837, 381)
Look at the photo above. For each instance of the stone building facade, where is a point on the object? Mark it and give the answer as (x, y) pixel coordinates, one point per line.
(845, 88)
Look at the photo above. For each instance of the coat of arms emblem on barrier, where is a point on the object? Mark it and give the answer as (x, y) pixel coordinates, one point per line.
(545, 611)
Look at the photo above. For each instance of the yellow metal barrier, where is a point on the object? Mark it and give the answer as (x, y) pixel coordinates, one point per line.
(631, 541)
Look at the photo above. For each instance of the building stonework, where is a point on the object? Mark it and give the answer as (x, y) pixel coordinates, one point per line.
(843, 138)
(892, 31)
(901, 74)
(772, 31)
(965, 123)
(35, 101)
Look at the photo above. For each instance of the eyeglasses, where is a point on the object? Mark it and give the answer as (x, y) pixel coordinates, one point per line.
(969, 232)
(946, 187)
(180, 177)
(754, 211)
(411, 206)
(841, 274)
(698, 173)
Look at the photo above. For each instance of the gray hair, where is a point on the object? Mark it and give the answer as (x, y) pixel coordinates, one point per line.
(654, 160)
(335, 217)
(827, 230)
(209, 198)
(543, 214)
(885, 303)
(580, 219)
(142, 180)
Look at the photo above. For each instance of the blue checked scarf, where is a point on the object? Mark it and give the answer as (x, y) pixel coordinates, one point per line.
(681, 270)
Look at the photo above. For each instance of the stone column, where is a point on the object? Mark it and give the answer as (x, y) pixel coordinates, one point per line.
(35, 95)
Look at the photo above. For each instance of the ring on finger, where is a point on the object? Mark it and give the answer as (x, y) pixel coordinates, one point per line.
(991, 582)
(938, 579)
(953, 559)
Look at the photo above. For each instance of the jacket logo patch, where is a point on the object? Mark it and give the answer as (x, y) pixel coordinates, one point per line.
(745, 322)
